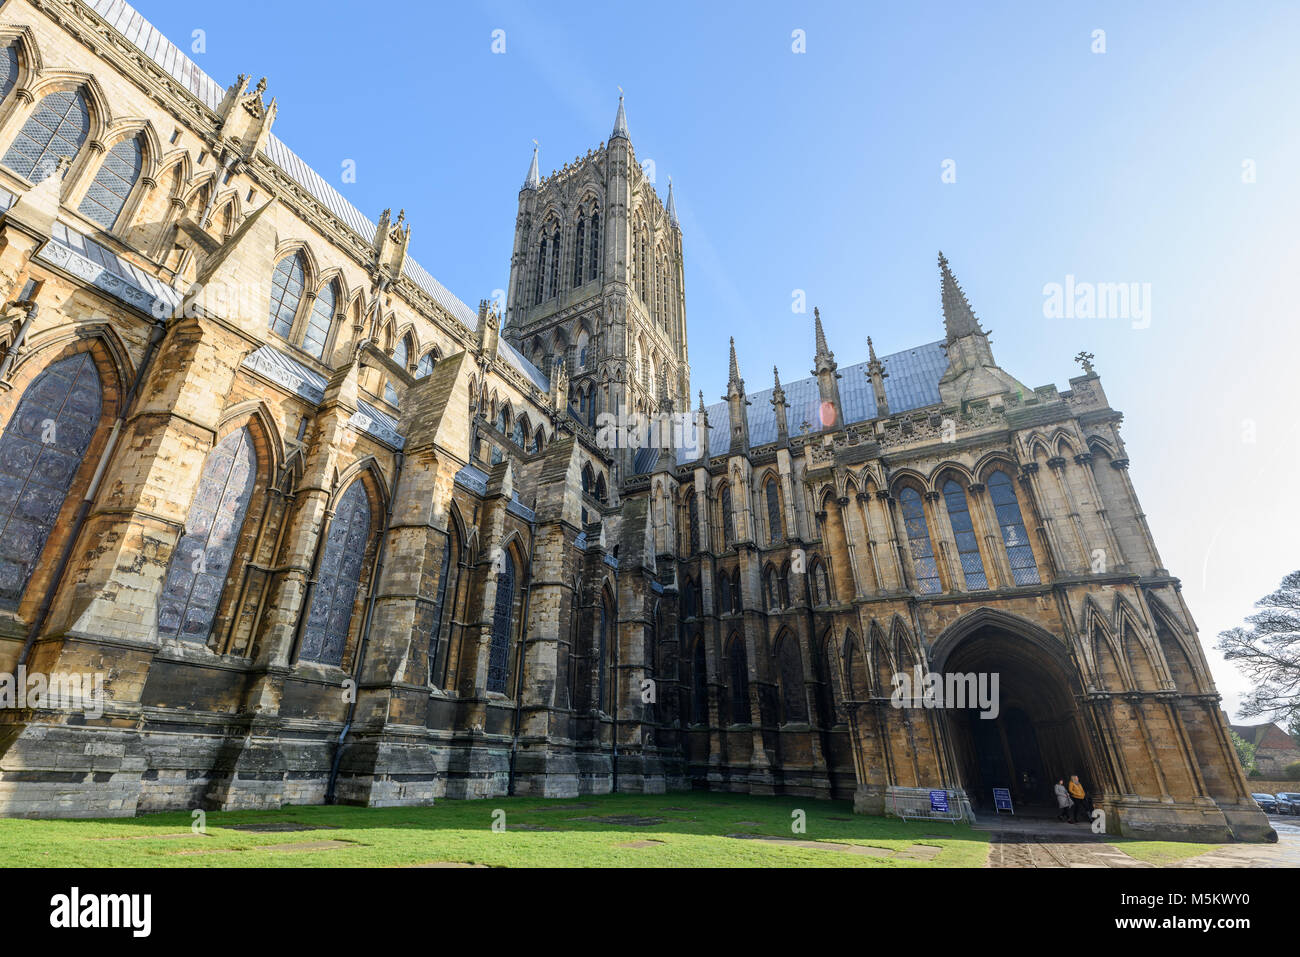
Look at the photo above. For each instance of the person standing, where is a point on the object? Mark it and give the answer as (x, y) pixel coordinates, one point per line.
(1079, 799)
(1063, 801)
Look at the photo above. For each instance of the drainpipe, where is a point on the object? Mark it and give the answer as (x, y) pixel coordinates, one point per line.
(365, 630)
(83, 509)
(32, 307)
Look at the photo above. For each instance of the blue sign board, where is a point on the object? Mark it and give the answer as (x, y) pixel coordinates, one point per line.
(939, 801)
(1002, 800)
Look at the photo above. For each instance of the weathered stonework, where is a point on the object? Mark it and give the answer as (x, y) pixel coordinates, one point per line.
(428, 578)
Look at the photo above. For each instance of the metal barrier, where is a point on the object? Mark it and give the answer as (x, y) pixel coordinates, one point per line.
(928, 804)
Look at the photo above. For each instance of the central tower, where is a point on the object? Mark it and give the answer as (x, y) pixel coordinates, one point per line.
(596, 282)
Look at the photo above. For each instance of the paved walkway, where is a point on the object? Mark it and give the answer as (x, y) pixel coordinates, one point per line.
(1030, 841)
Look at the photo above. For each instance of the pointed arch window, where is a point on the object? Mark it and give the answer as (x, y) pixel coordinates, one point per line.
(196, 574)
(771, 589)
(579, 247)
(789, 669)
(728, 530)
(339, 578)
(113, 183)
(724, 594)
(41, 450)
(963, 533)
(540, 286)
(775, 527)
(602, 650)
(426, 364)
(57, 128)
(738, 663)
(320, 320)
(502, 619)
(439, 610)
(918, 540)
(286, 293)
(402, 353)
(784, 584)
(553, 287)
(520, 434)
(8, 70)
(821, 583)
(593, 256)
(694, 509)
(699, 685)
(1019, 552)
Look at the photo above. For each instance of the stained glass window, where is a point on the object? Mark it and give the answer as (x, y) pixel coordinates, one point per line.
(8, 69)
(593, 259)
(1019, 551)
(502, 614)
(918, 540)
(963, 532)
(197, 572)
(602, 649)
(425, 367)
(774, 526)
(790, 671)
(286, 292)
(117, 175)
(519, 435)
(57, 128)
(699, 686)
(728, 530)
(320, 320)
(694, 510)
(339, 578)
(739, 681)
(40, 452)
(435, 635)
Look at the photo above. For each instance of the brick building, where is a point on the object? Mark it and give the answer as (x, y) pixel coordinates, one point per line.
(326, 533)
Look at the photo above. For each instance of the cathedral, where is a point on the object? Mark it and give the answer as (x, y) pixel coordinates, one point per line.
(284, 521)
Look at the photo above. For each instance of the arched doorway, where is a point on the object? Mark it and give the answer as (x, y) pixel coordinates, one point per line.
(1039, 734)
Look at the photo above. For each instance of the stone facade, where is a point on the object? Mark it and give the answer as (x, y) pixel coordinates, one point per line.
(325, 533)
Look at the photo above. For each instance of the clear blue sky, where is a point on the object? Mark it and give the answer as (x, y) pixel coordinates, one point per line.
(821, 171)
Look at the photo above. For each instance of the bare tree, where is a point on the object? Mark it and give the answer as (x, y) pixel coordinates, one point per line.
(1268, 653)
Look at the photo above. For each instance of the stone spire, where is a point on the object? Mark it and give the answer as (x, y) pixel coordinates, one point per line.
(830, 412)
(620, 122)
(533, 180)
(702, 429)
(877, 374)
(823, 351)
(736, 403)
(972, 373)
(958, 317)
(672, 206)
(779, 405)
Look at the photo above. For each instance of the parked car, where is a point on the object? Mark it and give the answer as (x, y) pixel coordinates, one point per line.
(1288, 802)
(1267, 803)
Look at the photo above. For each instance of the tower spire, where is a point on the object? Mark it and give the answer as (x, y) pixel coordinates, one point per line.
(672, 206)
(533, 180)
(735, 367)
(958, 317)
(620, 121)
(877, 374)
(779, 405)
(823, 350)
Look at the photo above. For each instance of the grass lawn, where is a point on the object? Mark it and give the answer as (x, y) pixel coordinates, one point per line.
(1162, 852)
(680, 829)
